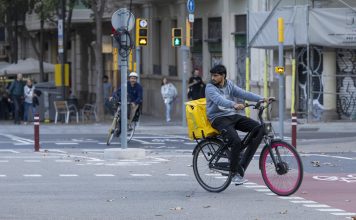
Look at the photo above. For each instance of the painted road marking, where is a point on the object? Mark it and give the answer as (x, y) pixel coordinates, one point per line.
(32, 175)
(316, 206)
(330, 210)
(8, 150)
(32, 161)
(140, 174)
(67, 175)
(263, 190)
(344, 213)
(290, 198)
(2, 175)
(66, 143)
(176, 174)
(303, 201)
(63, 161)
(104, 175)
(4, 161)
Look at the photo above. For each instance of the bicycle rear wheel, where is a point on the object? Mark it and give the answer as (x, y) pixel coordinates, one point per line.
(285, 177)
(213, 174)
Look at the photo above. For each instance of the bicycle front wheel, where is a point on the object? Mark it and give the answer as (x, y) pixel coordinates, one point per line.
(131, 131)
(208, 166)
(284, 175)
(112, 131)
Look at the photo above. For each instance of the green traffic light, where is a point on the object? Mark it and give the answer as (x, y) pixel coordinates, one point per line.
(177, 41)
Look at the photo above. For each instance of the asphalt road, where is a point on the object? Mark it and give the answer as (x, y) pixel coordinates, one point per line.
(70, 179)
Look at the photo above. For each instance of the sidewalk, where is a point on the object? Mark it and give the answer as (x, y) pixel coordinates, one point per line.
(154, 125)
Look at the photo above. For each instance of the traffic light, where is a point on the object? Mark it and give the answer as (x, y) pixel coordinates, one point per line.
(141, 32)
(176, 37)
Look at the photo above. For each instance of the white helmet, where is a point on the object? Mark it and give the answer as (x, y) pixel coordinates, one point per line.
(133, 74)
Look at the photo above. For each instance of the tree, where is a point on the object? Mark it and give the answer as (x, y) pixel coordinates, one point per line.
(11, 14)
(48, 11)
(97, 7)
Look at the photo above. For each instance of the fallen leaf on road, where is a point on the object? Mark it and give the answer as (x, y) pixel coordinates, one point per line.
(206, 206)
(158, 215)
(177, 208)
(284, 212)
(347, 200)
(315, 163)
(123, 197)
(109, 200)
(46, 151)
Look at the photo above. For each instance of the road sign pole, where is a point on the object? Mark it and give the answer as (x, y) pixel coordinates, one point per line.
(281, 76)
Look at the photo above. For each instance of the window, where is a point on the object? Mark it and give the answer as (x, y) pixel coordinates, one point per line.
(214, 29)
(2, 34)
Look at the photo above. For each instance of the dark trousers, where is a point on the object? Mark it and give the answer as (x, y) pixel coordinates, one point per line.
(227, 125)
(17, 108)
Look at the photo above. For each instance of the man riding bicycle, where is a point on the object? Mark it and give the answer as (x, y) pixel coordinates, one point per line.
(221, 109)
(134, 95)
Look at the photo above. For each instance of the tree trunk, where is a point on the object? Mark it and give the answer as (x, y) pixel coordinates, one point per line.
(98, 8)
(41, 50)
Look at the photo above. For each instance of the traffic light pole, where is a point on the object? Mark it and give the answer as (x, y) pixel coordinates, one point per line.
(138, 63)
(184, 55)
(281, 77)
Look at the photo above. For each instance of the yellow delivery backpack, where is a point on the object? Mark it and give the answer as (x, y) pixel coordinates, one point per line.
(197, 121)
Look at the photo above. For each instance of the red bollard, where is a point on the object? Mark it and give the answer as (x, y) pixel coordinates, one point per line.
(37, 131)
(294, 129)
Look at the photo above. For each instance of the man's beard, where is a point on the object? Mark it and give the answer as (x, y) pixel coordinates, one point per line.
(214, 82)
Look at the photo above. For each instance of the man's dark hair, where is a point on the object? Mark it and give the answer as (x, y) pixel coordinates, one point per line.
(105, 77)
(219, 69)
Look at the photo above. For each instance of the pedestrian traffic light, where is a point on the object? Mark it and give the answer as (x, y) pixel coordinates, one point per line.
(176, 37)
(141, 32)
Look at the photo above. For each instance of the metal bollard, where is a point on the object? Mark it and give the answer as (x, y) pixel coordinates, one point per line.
(294, 129)
(37, 132)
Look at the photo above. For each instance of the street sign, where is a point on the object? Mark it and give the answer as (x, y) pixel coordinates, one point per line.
(191, 18)
(190, 6)
(279, 69)
(123, 19)
(60, 36)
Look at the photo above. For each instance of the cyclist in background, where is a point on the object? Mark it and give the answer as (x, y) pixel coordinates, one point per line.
(134, 95)
(221, 111)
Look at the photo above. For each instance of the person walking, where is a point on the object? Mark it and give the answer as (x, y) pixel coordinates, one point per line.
(169, 93)
(16, 91)
(196, 86)
(29, 95)
(107, 90)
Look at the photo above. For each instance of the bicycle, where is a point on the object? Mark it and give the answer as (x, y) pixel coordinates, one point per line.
(280, 164)
(115, 128)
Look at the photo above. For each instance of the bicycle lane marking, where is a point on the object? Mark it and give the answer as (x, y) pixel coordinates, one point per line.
(302, 197)
(333, 189)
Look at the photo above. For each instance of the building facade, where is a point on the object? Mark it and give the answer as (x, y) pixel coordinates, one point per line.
(220, 35)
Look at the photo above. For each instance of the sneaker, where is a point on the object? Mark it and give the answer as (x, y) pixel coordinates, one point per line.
(238, 180)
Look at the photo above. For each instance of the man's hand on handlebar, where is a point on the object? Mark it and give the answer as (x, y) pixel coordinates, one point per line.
(239, 106)
(269, 99)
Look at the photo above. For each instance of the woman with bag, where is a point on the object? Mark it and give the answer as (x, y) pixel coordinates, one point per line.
(169, 93)
(29, 95)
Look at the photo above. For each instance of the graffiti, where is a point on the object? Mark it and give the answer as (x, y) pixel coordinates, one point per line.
(346, 83)
(241, 67)
(316, 66)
